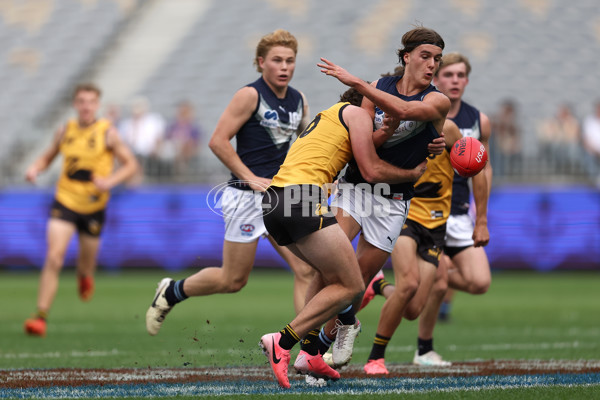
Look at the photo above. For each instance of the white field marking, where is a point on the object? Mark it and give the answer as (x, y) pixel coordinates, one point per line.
(524, 346)
(491, 347)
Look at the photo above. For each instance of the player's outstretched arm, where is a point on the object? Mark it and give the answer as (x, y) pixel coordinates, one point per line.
(434, 107)
(372, 168)
(42, 162)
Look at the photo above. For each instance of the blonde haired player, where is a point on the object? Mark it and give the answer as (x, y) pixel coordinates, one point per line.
(263, 116)
(89, 146)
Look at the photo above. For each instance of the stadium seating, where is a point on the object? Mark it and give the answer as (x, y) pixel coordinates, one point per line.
(539, 53)
(45, 47)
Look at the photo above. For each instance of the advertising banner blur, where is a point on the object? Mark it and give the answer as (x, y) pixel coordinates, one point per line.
(538, 228)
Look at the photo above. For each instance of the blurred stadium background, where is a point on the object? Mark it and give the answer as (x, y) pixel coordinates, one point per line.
(544, 210)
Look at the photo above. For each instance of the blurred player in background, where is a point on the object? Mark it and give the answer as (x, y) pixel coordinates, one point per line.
(296, 214)
(419, 110)
(263, 117)
(468, 268)
(88, 146)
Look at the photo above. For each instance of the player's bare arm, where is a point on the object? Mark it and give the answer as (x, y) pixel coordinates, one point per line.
(451, 134)
(372, 168)
(305, 115)
(238, 111)
(128, 165)
(486, 133)
(46, 158)
(481, 191)
(434, 106)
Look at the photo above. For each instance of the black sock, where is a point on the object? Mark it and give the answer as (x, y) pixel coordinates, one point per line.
(346, 316)
(424, 346)
(310, 342)
(42, 315)
(174, 292)
(324, 342)
(379, 345)
(379, 284)
(288, 337)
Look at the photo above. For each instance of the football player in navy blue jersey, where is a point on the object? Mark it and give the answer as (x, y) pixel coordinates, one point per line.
(263, 116)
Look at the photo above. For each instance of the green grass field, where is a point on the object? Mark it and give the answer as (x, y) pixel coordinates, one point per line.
(523, 316)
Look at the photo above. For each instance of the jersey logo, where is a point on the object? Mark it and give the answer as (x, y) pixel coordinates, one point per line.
(473, 132)
(271, 115)
(94, 227)
(435, 214)
(435, 252)
(247, 229)
(404, 131)
(279, 127)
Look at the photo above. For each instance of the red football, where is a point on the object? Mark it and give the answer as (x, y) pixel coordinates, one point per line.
(468, 156)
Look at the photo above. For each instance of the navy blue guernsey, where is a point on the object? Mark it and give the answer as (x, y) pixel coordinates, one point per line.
(468, 121)
(264, 140)
(407, 147)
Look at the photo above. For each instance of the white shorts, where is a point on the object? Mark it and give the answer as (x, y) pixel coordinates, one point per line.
(459, 231)
(381, 219)
(242, 212)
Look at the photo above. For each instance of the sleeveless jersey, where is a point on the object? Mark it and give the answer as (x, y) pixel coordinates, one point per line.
(319, 153)
(407, 147)
(433, 192)
(85, 155)
(468, 121)
(264, 140)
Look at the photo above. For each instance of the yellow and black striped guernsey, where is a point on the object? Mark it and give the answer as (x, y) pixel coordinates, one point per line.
(433, 193)
(319, 153)
(85, 154)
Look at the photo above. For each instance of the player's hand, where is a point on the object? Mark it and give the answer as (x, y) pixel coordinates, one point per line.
(259, 184)
(390, 124)
(419, 170)
(329, 68)
(31, 174)
(103, 184)
(437, 145)
(481, 235)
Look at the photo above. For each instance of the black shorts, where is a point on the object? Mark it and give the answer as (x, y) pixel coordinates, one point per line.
(430, 242)
(90, 224)
(452, 251)
(295, 211)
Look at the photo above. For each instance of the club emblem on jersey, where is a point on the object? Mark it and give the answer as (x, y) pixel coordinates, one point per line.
(94, 227)
(247, 229)
(271, 114)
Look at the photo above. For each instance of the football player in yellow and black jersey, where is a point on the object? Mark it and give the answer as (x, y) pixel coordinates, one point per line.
(296, 214)
(89, 146)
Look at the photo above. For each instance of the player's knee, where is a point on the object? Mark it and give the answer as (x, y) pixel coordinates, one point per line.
(439, 288)
(408, 287)
(412, 312)
(479, 287)
(305, 274)
(235, 285)
(356, 291)
(54, 261)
